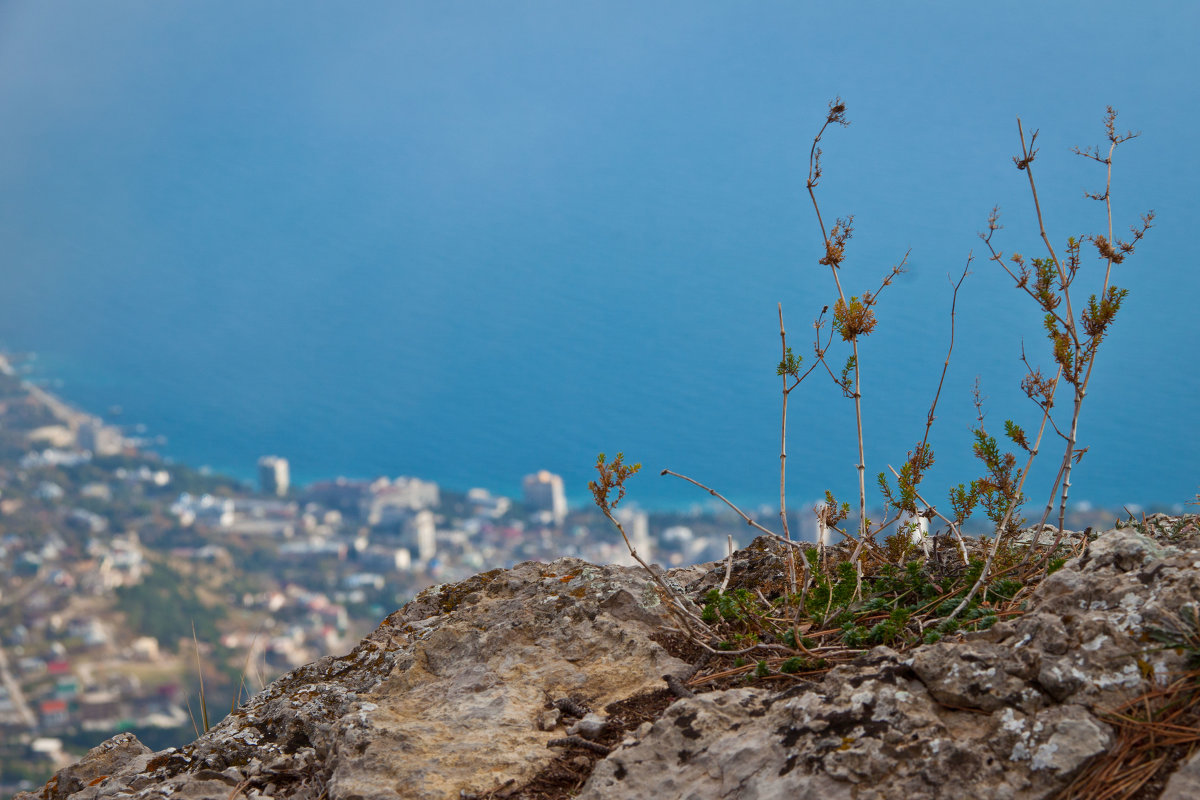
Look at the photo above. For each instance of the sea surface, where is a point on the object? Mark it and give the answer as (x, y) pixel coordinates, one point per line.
(470, 246)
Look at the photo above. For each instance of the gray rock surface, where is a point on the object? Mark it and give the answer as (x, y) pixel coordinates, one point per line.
(451, 697)
(449, 694)
(1185, 783)
(1007, 713)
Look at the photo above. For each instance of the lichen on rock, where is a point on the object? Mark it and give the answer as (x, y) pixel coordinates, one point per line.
(454, 696)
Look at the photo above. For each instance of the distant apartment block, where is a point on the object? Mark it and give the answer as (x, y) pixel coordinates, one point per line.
(637, 525)
(394, 502)
(99, 439)
(544, 493)
(273, 475)
(484, 503)
(424, 534)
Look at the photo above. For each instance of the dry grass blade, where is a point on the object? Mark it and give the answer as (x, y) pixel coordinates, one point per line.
(200, 674)
(1156, 730)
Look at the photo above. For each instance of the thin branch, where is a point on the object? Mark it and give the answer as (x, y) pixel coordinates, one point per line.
(1004, 523)
(1026, 164)
(783, 367)
(795, 545)
(728, 564)
(946, 365)
(676, 604)
(954, 528)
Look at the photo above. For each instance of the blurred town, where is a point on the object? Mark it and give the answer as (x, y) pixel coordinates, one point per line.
(126, 580)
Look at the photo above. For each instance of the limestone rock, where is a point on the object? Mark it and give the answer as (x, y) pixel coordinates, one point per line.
(458, 693)
(871, 730)
(103, 760)
(592, 726)
(1007, 713)
(1185, 783)
(445, 696)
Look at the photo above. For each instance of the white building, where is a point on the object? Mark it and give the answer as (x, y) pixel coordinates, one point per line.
(389, 501)
(544, 493)
(637, 528)
(484, 503)
(273, 475)
(100, 439)
(424, 531)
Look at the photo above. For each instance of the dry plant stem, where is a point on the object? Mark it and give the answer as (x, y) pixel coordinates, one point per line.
(200, 674)
(1041, 524)
(192, 715)
(813, 177)
(728, 563)
(794, 545)
(1027, 158)
(779, 648)
(991, 555)
(945, 365)
(675, 604)
(783, 455)
(246, 668)
(581, 743)
(1080, 385)
(931, 416)
(862, 458)
(962, 546)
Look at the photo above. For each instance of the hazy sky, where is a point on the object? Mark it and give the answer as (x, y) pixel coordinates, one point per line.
(582, 205)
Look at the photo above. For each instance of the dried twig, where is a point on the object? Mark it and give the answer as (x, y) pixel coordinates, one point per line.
(676, 686)
(728, 564)
(580, 742)
(568, 706)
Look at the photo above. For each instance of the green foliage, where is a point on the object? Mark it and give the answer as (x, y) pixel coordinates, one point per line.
(978, 618)
(898, 592)
(997, 491)
(1005, 588)
(912, 472)
(832, 595)
(789, 364)
(855, 635)
(792, 665)
(612, 476)
(846, 380)
(738, 605)
(854, 318)
(164, 605)
(910, 582)
(1098, 315)
(891, 629)
(963, 499)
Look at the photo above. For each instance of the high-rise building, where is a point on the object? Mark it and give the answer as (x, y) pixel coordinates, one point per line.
(544, 493)
(424, 532)
(100, 439)
(273, 475)
(637, 527)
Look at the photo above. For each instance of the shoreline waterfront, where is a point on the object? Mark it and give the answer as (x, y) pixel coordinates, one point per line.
(111, 558)
(73, 416)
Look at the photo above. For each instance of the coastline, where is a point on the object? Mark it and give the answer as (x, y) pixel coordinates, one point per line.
(63, 411)
(75, 418)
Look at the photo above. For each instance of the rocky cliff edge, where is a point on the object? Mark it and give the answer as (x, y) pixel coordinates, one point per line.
(547, 680)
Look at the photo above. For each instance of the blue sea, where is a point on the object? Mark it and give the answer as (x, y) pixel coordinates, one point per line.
(467, 242)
